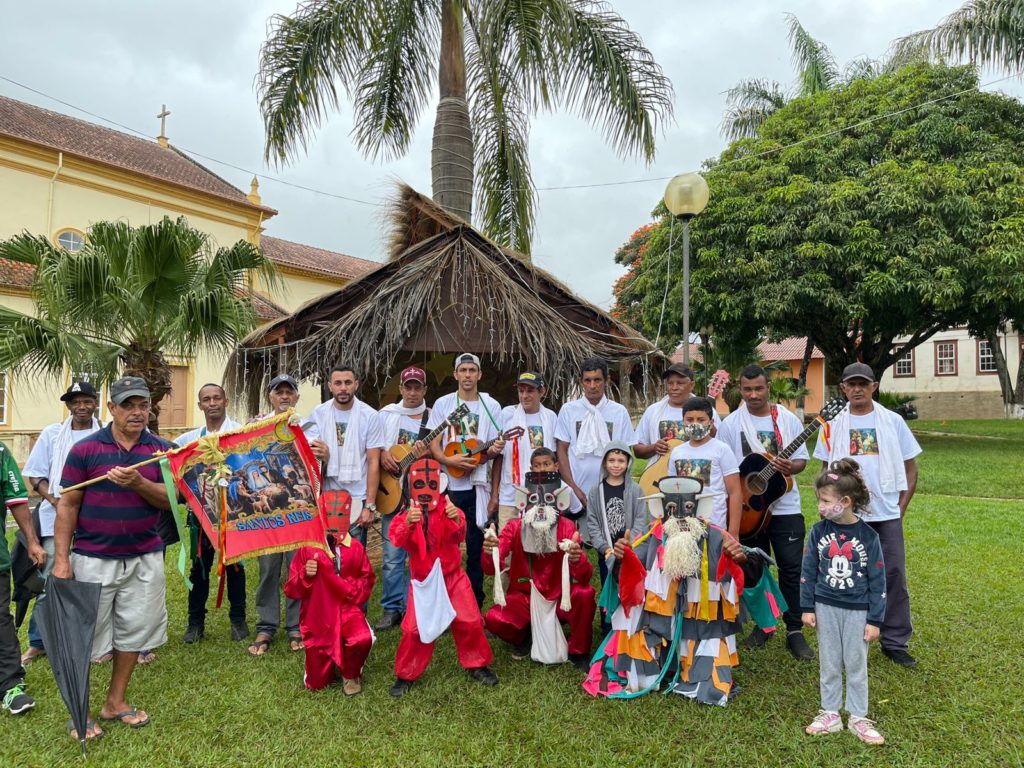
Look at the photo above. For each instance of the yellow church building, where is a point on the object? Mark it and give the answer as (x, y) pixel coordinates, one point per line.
(59, 174)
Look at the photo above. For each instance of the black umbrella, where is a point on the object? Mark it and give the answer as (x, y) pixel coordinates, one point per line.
(67, 620)
(28, 582)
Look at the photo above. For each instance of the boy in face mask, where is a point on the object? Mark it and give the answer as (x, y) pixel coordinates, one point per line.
(710, 461)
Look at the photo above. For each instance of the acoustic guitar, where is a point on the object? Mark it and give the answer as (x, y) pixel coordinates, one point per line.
(389, 491)
(762, 482)
(476, 451)
(658, 467)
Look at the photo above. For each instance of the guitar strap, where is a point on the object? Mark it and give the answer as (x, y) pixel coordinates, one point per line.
(423, 424)
(775, 425)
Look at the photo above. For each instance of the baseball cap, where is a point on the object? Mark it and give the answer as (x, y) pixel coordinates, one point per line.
(532, 378)
(412, 373)
(858, 371)
(127, 386)
(467, 357)
(679, 369)
(282, 378)
(79, 388)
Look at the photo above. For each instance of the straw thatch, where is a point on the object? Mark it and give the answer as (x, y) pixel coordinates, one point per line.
(446, 289)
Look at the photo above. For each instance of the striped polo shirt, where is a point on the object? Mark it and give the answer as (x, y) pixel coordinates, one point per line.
(114, 522)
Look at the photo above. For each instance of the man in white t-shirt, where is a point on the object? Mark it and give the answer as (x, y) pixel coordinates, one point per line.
(213, 402)
(663, 420)
(404, 423)
(42, 472)
(884, 447)
(471, 492)
(349, 444)
(759, 426)
(538, 425)
(585, 427)
(712, 462)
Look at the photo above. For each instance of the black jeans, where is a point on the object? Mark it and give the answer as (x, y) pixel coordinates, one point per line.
(11, 671)
(466, 502)
(784, 540)
(200, 593)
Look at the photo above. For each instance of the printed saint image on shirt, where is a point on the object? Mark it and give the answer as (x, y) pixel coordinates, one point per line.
(607, 424)
(699, 469)
(339, 429)
(768, 442)
(470, 427)
(670, 429)
(864, 442)
(536, 434)
(407, 437)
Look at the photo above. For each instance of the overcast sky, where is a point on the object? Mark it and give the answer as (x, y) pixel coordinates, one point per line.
(122, 59)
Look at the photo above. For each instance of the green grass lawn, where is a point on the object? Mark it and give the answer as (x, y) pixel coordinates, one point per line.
(211, 705)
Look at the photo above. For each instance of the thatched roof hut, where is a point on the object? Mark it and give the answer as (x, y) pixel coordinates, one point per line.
(445, 289)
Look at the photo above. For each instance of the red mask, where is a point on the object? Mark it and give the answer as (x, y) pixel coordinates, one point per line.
(336, 507)
(426, 483)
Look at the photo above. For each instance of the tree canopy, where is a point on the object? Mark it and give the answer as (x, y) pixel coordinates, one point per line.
(858, 215)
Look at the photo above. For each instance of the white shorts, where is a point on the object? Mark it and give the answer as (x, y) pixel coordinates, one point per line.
(133, 608)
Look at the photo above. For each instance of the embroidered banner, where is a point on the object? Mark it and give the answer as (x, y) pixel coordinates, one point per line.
(254, 490)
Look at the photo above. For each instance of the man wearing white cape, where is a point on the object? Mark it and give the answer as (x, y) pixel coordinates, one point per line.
(663, 420)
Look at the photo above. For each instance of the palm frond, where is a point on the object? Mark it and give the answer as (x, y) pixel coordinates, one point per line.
(37, 347)
(519, 31)
(605, 74)
(303, 57)
(395, 78)
(988, 33)
(863, 68)
(750, 103)
(813, 60)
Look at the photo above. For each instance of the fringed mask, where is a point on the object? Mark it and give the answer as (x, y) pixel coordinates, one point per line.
(678, 504)
(540, 500)
(426, 483)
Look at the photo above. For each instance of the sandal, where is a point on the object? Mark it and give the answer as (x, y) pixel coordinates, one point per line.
(295, 642)
(90, 726)
(260, 645)
(122, 717)
(31, 654)
(104, 658)
(146, 657)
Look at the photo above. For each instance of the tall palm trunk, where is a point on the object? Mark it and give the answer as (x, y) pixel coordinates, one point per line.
(452, 152)
(148, 363)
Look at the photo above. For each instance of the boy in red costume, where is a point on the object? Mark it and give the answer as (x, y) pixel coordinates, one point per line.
(546, 558)
(430, 529)
(332, 588)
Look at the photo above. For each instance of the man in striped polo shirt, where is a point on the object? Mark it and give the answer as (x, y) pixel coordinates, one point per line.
(116, 539)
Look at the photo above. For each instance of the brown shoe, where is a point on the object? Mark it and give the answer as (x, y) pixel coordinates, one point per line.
(353, 686)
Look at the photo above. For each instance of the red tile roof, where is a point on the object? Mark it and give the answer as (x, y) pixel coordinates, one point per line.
(265, 308)
(787, 349)
(75, 137)
(14, 274)
(285, 253)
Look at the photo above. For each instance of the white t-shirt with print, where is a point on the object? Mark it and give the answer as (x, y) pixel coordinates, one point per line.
(538, 439)
(710, 462)
(372, 436)
(863, 437)
(731, 433)
(586, 470)
(476, 425)
(662, 420)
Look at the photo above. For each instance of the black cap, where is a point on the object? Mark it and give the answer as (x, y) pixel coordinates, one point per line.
(78, 388)
(679, 369)
(128, 386)
(282, 378)
(531, 378)
(858, 371)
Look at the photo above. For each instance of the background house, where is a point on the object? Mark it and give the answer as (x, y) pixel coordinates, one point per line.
(59, 174)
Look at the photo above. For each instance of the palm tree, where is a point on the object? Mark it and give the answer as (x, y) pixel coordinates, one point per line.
(496, 63)
(751, 102)
(127, 300)
(985, 32)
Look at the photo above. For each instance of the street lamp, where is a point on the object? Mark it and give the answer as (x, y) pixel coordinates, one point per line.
(685, 196)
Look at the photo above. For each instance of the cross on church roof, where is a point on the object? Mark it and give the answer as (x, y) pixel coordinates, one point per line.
(162, 138)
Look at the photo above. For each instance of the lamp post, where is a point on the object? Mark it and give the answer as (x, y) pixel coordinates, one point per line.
(685, 196)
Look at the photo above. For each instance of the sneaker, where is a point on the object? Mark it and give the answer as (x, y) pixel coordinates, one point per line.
(239, 630)
(522, 651)
(192, 634)
(400, 688)
(901, 657)
(581, 661)
(483, 675)
(17, 701)
(388, 620)
(865, 730)
(798, 646)
(825, 722)
(757, 638)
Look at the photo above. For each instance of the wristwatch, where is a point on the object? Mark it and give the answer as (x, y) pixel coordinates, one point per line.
(371, 507)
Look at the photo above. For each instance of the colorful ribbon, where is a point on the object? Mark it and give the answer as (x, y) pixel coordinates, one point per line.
(178, 513)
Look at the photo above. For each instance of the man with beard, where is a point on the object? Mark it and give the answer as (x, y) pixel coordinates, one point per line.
(676, 594)
(546, 557)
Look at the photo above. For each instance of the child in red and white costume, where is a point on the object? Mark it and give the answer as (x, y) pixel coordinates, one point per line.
(430, 529)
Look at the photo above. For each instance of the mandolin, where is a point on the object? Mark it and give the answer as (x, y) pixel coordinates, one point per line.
(476, 451)
(389, 491)
(762, 482)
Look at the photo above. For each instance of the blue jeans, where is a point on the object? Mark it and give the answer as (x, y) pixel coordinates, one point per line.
(394, 579)
(35, 638)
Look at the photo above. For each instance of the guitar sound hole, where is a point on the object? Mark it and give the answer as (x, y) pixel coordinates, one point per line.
(755, 485)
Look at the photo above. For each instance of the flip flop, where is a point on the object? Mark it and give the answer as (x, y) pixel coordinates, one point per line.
(295, 643)
(32, 654)
(130, 712)
(146, 657)
(259, 647)
(104, 658)
(90, 725)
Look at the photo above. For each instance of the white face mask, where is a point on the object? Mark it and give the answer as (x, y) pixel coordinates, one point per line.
(831, 511)
(696, 431)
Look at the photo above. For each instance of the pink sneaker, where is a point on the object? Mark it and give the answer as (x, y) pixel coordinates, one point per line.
(865, 730)
(825, 722)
